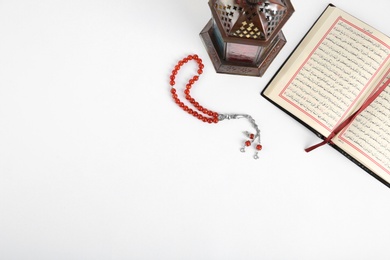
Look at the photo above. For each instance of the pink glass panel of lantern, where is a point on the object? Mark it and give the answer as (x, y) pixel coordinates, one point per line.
(240, 52)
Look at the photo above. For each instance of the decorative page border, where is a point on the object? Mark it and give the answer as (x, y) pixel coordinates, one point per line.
(341, 137)
(340, 18)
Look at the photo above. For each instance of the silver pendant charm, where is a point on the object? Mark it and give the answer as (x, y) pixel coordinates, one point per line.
(251, 137)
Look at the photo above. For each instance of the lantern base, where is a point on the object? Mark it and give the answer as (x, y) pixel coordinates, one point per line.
(217, 52)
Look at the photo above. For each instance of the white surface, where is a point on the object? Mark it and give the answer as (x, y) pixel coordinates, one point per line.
(97, 162)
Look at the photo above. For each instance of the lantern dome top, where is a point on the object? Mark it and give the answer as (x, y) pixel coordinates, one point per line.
(251, 20)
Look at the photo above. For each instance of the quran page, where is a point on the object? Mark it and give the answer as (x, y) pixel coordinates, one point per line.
(331, 72)
(367, 138)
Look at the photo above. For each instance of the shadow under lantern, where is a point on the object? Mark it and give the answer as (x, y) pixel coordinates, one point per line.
(244, 36)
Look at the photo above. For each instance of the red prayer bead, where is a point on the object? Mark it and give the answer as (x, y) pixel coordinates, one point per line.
(214, 115)
(248, 143)
(259, 147)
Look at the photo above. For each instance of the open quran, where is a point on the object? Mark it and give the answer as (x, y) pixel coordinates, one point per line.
(336, 83)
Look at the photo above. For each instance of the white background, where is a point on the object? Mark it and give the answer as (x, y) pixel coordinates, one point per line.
(97, 162)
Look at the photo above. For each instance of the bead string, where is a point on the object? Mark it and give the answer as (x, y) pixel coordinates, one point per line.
(206, 115)
(213, 115)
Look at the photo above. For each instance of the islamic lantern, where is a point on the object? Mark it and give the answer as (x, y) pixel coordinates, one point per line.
(243, 37)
